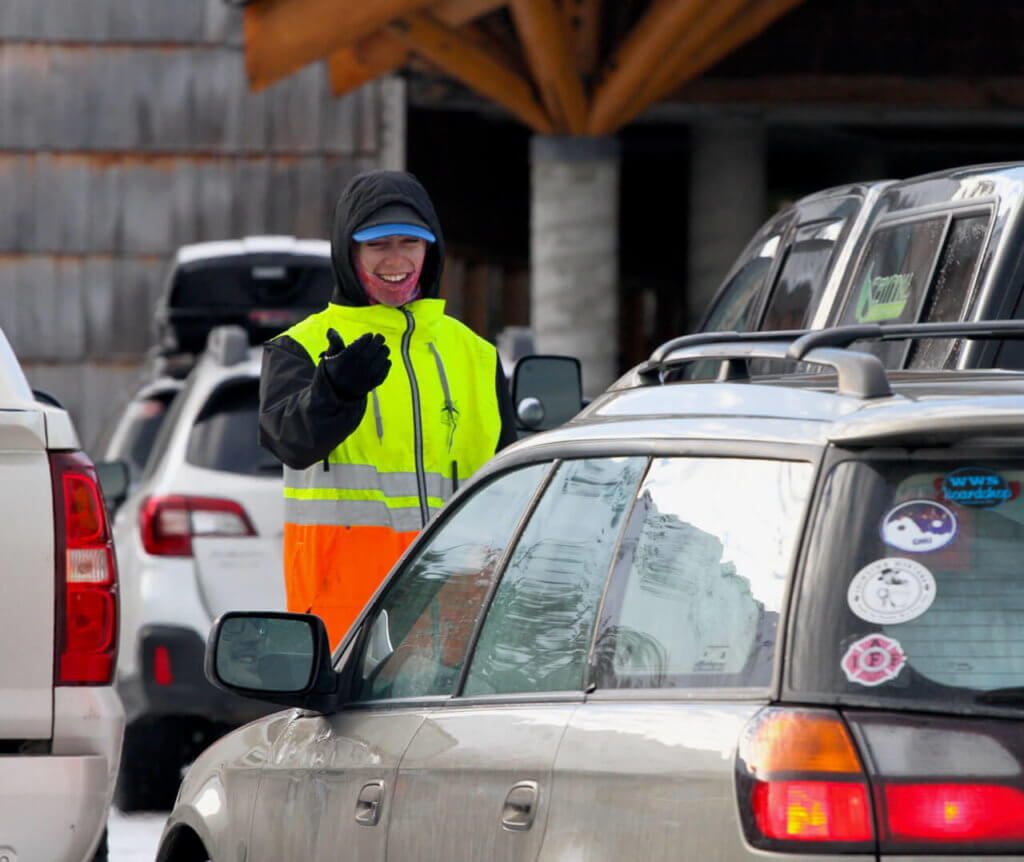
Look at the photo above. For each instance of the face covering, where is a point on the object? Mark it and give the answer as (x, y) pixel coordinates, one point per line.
(394, 294)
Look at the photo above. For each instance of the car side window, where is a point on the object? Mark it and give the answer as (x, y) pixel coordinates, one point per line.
(735, 305)
(539, 626)
(695, 597)
(420, 630)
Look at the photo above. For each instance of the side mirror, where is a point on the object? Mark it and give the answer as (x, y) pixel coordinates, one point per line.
(546, 391)
(277, 657)
(115, 477)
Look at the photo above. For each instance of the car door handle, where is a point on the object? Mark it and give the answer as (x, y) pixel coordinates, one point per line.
(520, 806)
(369, 802)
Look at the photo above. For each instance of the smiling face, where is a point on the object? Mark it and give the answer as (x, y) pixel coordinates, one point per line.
(392, 258)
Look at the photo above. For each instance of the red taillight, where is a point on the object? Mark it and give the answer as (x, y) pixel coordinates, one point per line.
(812, 810)
(801, 784)
(86, 636)
(162, 673)
(169, 523)
(954, 813)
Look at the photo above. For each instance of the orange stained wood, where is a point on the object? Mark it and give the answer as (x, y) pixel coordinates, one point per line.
(646, 46)
(550, 52)
(282, 36)
(366, 60)
(704, 29)
(752, 19)
(463, 59)
(381, 53)
(583, 18)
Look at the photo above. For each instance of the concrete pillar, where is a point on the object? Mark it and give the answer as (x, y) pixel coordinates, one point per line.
(574, 252)
(727, 203)
(392, 123)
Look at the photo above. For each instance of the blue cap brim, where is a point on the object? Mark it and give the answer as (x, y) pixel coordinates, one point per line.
(383, 230)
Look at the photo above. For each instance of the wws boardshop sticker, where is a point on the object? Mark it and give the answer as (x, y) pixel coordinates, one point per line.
(891, 590)
(873, 660)
(919, 526)
(977, 487)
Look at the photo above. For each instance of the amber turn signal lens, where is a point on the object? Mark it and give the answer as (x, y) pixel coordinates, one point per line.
(785, 741)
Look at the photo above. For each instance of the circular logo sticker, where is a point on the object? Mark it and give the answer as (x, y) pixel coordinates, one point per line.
(976, 486)
(891, 590)
(873, 660)
(918, 526)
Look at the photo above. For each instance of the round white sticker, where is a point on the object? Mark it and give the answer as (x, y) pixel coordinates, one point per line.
(891, 590)
(919, 526)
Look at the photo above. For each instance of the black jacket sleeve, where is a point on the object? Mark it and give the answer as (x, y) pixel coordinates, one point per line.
(301, 417)
(508, 416)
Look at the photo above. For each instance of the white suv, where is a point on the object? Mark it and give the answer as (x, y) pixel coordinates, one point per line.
(61, 722)
(199, 534)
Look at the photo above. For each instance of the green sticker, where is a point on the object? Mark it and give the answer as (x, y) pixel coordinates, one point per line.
(883, 297)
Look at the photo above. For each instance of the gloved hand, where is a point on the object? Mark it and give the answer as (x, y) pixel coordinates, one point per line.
(354, 370)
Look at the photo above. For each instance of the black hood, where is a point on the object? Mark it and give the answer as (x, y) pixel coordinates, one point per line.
(363, 196)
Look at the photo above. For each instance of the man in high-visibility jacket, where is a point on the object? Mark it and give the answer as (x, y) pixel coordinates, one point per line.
(379, 405)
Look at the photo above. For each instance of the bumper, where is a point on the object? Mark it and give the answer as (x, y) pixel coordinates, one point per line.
(172, 682)
(52, 808)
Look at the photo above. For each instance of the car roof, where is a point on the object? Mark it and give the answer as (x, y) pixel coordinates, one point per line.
(252, 245)
(801, 408)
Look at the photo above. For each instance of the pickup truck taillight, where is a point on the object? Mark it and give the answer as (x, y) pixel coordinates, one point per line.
(927, 785)
(169, 523)
(86, 572)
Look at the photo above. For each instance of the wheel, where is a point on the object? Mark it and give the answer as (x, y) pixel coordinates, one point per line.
(151, 762)
(102, 851)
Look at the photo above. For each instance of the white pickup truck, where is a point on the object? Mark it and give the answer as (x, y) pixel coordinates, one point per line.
(61, 722)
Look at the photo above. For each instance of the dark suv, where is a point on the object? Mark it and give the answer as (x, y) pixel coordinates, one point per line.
(758, 618)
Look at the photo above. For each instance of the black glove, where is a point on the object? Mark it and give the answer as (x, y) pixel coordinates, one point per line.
(354, 370)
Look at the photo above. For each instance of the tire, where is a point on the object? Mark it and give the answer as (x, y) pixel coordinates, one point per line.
(151, 762)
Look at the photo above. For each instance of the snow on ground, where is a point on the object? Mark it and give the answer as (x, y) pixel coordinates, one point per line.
(134, 837)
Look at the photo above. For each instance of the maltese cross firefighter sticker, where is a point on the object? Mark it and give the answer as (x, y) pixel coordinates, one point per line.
(918, 526)
(891, 590)
(873, 660)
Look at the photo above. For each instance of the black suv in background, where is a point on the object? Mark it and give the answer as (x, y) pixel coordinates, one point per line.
(943, 247)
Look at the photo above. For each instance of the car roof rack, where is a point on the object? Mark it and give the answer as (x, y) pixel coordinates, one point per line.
(859, 374)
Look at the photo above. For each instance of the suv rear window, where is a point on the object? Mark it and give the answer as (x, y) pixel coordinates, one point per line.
(225, 435)
(920, 271)
(912, 588)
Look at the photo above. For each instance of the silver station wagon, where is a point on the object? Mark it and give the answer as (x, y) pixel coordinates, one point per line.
(777, 618)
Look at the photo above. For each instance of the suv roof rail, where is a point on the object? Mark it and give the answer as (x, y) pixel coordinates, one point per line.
(859, 374)
(228, 345)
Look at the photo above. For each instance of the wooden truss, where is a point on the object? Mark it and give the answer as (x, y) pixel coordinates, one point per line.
(551, 63)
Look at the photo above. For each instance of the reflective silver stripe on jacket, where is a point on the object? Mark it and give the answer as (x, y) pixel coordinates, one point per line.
(352, 513)
(362, 477)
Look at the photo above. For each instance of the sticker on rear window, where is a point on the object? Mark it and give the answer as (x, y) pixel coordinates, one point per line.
(976, 486)
(891, 590)
(873, 660)
(883, 297)
(919, 526)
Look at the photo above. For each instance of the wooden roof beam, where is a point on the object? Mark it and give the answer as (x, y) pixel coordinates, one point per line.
(282, 36)
(382, 52)
(550, 53)
(708, 45)
(583, 17)
(368, 59)
(647, 45)
(460, 57)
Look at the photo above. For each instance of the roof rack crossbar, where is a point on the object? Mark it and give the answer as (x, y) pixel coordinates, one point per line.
(861, 375)
(844, 336)
(699, 338)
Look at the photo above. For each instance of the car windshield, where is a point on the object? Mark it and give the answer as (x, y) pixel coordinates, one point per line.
(912, 588)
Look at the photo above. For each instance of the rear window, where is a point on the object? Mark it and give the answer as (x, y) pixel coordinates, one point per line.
(912, 588)
(225, 435)
(136, 431)
(920, 271)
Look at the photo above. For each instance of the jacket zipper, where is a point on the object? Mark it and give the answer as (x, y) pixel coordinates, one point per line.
(449, 408)
(417, 422)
